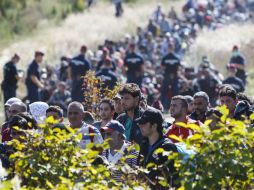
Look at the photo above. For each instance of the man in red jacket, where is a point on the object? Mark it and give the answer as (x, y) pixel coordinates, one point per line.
(179, 111)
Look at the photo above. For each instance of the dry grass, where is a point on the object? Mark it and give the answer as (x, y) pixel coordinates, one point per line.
(217, 45)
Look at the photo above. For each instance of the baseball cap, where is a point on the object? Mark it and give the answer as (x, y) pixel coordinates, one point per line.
(105, 50)
(151, 115)
(132, 44)
(114, 125)
(10, 101)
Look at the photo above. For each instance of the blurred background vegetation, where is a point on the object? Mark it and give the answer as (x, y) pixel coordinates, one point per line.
(21, 17)
(18, 17)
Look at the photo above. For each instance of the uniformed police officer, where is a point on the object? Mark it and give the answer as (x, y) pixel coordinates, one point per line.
(170, 64)
(33, 82)
(135, 66)
(11, 77)
(78, 67)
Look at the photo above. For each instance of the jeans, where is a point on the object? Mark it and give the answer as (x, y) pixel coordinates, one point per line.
(119, 9)
(77, 93)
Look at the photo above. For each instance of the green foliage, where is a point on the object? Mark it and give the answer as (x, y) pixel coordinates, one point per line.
(18, 17)
(224, 158)
(52, 159)
(78, 5)
(130, 1)
(7, 7)
(125, 1)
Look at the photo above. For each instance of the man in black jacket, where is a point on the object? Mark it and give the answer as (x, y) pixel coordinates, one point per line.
(33, 80)
(11, 77)
(130, 97)
(170, 64)
(78, 67)
(134, 65)
(238, 60)
(150, 124)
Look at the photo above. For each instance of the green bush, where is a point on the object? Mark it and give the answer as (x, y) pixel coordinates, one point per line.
(22, 16)
(224, 157)
(48, 159)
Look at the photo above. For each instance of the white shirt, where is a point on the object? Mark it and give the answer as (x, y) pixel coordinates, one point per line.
(113, 159)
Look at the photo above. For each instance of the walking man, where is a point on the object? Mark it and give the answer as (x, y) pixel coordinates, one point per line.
(11, 77)
(33, 82)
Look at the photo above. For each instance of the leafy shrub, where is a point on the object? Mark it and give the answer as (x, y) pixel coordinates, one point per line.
(52, 159)
(224, 157)
(48, 159)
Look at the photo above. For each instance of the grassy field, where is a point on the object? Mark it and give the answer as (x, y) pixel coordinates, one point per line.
(217, 45)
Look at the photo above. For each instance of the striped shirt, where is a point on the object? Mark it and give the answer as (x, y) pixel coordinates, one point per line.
(115, 159)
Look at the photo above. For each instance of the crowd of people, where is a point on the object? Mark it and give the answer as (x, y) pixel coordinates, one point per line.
(154, 81)
(126, 120)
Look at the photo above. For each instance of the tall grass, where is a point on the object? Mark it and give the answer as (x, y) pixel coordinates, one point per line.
(217, 45)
